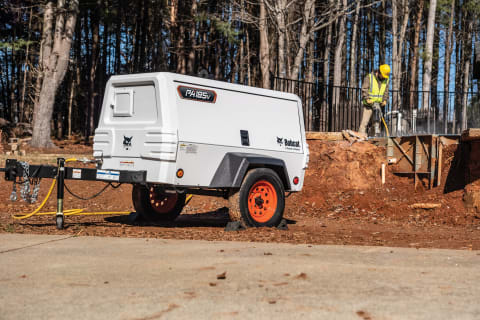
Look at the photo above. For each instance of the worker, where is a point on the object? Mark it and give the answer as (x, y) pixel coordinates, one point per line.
(374, 97)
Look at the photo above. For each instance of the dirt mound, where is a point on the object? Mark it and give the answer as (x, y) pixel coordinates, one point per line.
(343, 183)
(342, 166)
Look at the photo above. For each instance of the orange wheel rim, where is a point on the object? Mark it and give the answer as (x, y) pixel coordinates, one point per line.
(162, 202)
(262, 201)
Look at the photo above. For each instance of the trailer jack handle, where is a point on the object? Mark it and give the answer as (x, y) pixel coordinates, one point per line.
(60, 191)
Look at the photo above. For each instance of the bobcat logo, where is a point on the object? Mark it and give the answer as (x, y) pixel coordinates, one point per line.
(288, 143)
(127, 142)
(280, 141)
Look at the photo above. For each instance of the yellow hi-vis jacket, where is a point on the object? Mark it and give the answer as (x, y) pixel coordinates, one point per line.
(375, 92)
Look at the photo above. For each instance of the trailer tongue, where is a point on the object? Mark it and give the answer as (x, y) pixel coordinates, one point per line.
(22, 173)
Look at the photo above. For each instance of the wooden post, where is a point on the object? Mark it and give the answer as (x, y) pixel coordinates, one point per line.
(439, 162)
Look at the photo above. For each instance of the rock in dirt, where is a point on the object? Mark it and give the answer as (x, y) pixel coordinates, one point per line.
(301, 276)
(235, 226)
(326, 136)
(222, 276)
(426, 206)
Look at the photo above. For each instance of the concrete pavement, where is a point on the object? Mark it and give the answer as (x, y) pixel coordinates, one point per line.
(62, 277)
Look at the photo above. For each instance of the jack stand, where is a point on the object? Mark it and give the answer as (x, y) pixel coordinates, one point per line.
(60, 185)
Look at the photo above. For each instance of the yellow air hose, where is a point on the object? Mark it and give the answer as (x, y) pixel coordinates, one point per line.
(386, 127)
(70, 212)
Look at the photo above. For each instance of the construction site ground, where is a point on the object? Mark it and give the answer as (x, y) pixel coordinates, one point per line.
(343, 202)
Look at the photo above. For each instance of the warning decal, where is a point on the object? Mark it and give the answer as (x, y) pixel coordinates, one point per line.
(108, 175)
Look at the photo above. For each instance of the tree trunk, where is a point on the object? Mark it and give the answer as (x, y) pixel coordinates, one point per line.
(468, 34)
(448, 54)
(353, 48)
(427, 66)
(55, 69)
(241, 61)
(338, 67)
(249, 70)
(416, 39)
(45, 47)
(280, 8)
(93, 72)
(398, 31)
(264, 47)
(304, 37)
(25, 71)
(181, 66)
(118, 37)
(143, 37)
(324, 114)
(192, 37)
(70, 106)
(309, 78)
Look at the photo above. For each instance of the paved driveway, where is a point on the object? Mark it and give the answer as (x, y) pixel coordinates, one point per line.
(58, 277)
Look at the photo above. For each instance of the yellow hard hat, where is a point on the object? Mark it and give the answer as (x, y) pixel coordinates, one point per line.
(385, 70)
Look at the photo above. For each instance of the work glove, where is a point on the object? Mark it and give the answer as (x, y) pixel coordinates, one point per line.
(384, 103)
(369, 101)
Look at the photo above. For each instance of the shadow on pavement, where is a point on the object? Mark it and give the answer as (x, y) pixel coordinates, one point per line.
(214, 219)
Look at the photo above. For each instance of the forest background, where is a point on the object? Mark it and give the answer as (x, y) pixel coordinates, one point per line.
(56, 56)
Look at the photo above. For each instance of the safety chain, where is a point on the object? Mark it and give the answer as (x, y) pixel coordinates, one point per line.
(36, 188)
(25, 189)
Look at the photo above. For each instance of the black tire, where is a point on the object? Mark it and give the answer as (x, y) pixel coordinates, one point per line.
(259, 186)
(156, 205)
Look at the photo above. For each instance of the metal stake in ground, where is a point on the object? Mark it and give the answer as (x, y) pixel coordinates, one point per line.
(60, 185)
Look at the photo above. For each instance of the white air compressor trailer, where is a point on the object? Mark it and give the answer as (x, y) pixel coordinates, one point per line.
(199, 136)
(172, 135)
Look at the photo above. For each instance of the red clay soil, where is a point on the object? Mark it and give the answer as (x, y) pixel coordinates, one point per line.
(343, 202)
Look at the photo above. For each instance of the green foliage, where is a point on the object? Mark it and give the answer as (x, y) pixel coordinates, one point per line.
(16, 45)
(225, 28)
(444, 8)
(472, 6)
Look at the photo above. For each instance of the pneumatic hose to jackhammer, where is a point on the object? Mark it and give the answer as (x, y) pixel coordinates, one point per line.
(378, 116)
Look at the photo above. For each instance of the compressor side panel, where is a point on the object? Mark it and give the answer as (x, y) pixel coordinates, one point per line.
(214, 120)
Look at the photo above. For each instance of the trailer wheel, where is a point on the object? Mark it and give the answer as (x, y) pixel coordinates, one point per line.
(60, 222)
(156, 205)
(261, 199)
